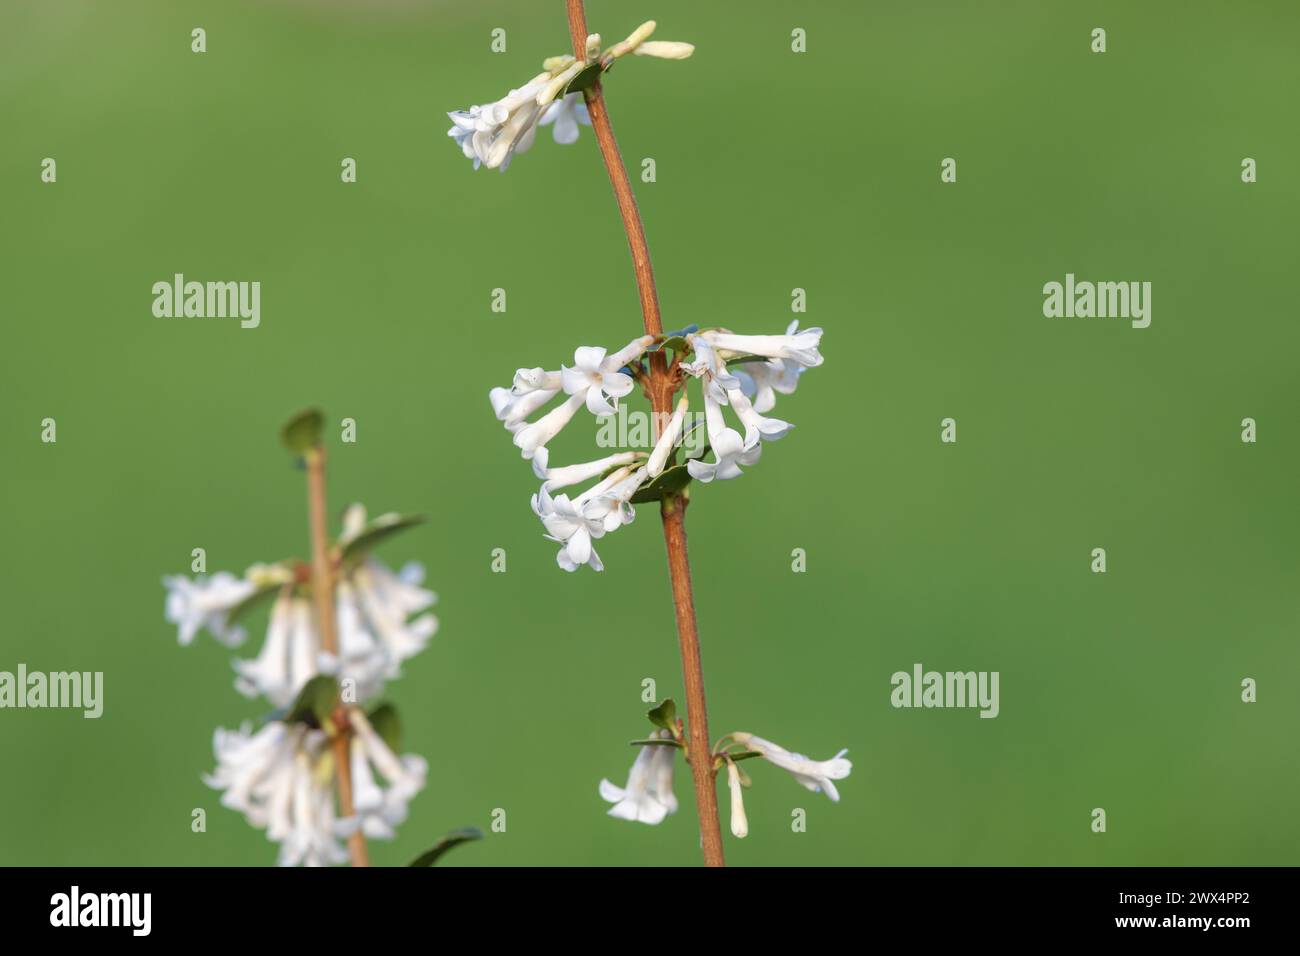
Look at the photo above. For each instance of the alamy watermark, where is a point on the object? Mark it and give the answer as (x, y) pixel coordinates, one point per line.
(76, 690)
(1102, 300)
(922, 688)
(634, 429)
(180, 299)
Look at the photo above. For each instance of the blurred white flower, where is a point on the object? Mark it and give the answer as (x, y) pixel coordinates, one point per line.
(816, 775)
(566, 113)
(739, 822)
(205, 603)
(280, 779)
(381, 808)
(648, 796)
(377, 632)
(289, 655)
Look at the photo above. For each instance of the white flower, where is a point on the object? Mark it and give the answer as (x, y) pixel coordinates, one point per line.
(512, 407)
(611, 505)
(289, 655)
(372, 608)
(492, 134)
(537, 434)
(665, 49)
(206, 603)
(648, 796)
(281, 780)
(756, 426)
(730, 451)
(380, 809)
(739, 822)
(816, 775)
(566, 113)
(575, 474)
(565, 523)
(591, 378)
(709, 366)
(667, 439)
(800, 347)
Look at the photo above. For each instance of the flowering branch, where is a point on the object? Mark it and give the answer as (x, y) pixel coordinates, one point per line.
(322, 589)
(672, 509)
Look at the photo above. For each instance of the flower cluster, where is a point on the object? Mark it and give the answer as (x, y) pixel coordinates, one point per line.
(491, 134)
(281, 775)
(648, 795)
(760, 367)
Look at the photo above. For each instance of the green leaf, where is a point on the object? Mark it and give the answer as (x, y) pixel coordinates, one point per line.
(375, 533)
(303, 432)
(745, 756)
(315, 702)
(387, 724)
(253, 600)
(656, 742)
(584, 80)
(665, 715)
(452, 839)
(670, 481)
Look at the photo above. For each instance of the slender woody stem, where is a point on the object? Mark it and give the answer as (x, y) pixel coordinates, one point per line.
(322, 589)
(673, 509)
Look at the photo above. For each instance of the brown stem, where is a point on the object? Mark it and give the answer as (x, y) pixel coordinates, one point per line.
(322, 589)
(673, 509)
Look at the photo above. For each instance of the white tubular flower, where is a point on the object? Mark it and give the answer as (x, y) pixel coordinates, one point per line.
(596, 379)
(800, 347)
(537, 434)
(816, 775)
(739, 822)
(648, 796)
(566, 113)
(279, 781)
(634, 39)
(205, 604)
(288, 658)
(512, 408)
(665, 49)
(575, 474)
(380, 809)
(667, 439)
(492, 134)
(313, 837)
(565, 524)
(386, 601)
(709, 366)
(533, 379)
(730, 451)
(756, 426)
(612, 505)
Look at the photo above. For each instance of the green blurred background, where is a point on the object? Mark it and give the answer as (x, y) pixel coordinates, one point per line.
(775, 170)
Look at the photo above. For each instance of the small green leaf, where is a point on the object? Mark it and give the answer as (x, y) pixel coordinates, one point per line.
(253, 600)
(452, 839)
(665, 715)
(670, 481)
(375, 533)
(745, 756)
(387, 724)
(303, 432)
(584, 80)
(656, 742)
(315, 702)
